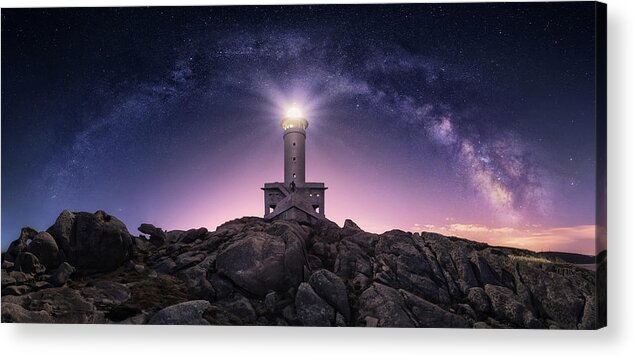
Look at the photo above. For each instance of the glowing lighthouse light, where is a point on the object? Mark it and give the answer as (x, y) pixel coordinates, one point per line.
(294, 112)
(294, 118)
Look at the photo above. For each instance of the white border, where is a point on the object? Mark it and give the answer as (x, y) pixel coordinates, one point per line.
(615, 340)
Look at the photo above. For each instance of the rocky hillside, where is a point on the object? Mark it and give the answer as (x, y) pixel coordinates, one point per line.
(87, 268)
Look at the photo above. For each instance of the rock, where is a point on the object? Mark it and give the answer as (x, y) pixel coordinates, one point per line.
(312, 310)
(198, 287)
(485, 274)
(20, 277)
(165, 266)
(466, 276)
(371, 321)
(174, 236)
(142, 245)
(61, 275)
(192, 234)
(332, 289)
(351, 259)
(257, 272)
(106, 294)
(65, 304)
(6, 265)
(340, 321)
(45, 249)
(290, 314)
(188, 259)
(139, 268)
(404, 265)
(16, 313)
(270, 301)
(507, 306)
(28, 263)
(15, 290)
(7, 279)
(236, 310)
(314, 263)
(92, 242)
(157, 235)
(223, 287)
(139, 319)
(561, 298)
(186, 313)
(426, 314)
(63, 229)
(326, 231)
(260, 262)
(466, 311)
(385, 304)
(361, 282)
(349, 228)
(478, 299)
(481, 324)
(42, 285)
(348, 223)
(19, 245)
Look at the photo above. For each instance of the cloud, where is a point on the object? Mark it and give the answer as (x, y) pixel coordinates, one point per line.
(576, 239)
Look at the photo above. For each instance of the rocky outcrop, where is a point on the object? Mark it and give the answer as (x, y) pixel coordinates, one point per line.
(95, 242)
(87, 268)
(186, 313)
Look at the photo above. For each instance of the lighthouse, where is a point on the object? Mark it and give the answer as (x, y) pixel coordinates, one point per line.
(294, 199)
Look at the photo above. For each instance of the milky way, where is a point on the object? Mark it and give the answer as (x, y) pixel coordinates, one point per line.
(438, 116)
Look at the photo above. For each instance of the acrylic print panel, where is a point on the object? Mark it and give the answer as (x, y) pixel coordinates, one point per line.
(420, 165)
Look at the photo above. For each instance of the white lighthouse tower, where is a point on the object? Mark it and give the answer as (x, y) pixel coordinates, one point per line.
(295, 198)
(294, 125)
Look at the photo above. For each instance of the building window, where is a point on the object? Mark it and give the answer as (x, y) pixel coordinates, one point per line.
(294, 176)
(293, 143)
(293, 159)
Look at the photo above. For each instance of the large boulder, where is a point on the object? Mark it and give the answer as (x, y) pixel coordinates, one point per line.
(560, 298)
(507, 306)
(426, 314)
(44, 247)
(60, 276)
(311, 309)
(478, 299)
(158, 237)
(261, 262)
(404, 264)
(332, 289)
(192, 235)
(92, 243)
(186, 313)
(64, 304)
(234, 310)
(195, 279)
(28, 263)
(15, 313)
(19, 245)
(384, 306)
(105, 294)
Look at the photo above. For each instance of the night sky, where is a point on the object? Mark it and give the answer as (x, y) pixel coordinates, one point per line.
(475, 120)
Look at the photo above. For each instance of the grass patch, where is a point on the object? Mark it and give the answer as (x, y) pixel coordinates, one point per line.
(529, 259)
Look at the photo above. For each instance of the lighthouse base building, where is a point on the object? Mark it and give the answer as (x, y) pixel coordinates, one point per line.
(294, 199)
(302, 204)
